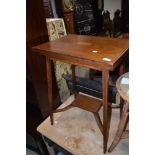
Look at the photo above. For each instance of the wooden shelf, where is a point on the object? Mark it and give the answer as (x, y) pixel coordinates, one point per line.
(87, 103)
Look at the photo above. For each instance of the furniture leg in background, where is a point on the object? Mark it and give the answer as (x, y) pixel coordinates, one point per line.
(121, 133)
(123, 90)
(74, 79)
(49, 85)
(121, 71)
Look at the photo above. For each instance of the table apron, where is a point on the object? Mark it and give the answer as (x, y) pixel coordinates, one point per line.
(80, 62)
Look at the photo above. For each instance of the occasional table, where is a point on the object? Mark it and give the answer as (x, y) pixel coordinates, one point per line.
(122, 85)
(99, 53)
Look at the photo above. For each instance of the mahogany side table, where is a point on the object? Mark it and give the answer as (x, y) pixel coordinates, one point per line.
(99, 53)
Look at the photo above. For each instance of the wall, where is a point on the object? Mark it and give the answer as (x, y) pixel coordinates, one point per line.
(112, 6)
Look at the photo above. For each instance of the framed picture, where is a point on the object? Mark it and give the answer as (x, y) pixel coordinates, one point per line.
(67, 5)
(56, 28)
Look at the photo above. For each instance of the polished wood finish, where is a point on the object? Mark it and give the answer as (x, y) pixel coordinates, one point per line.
(36, 33)
(49, 81)
(74, 79)
(87, 103)
(123, 90)
(68, 16)
(105, 86)
(69, 22)
(79, 50)
(121, 134)
(63, 109)
(98, 120)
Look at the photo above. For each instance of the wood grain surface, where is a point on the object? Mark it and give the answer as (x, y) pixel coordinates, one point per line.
(77, 47)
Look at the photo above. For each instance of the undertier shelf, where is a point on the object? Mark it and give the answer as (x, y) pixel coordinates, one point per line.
(87, 103)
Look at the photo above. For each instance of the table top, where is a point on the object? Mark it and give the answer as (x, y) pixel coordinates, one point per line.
(122, 85)
(93, 51)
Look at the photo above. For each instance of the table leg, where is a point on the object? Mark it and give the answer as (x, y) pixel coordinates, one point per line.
(121, 68)
(121, 72)
(74, 79)
(49, 86)
(121, 127)
(105, 84)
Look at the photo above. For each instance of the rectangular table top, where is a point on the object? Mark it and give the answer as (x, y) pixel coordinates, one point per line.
(89, 51)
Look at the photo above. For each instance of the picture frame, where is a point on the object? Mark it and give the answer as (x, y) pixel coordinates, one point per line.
(56, 28)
